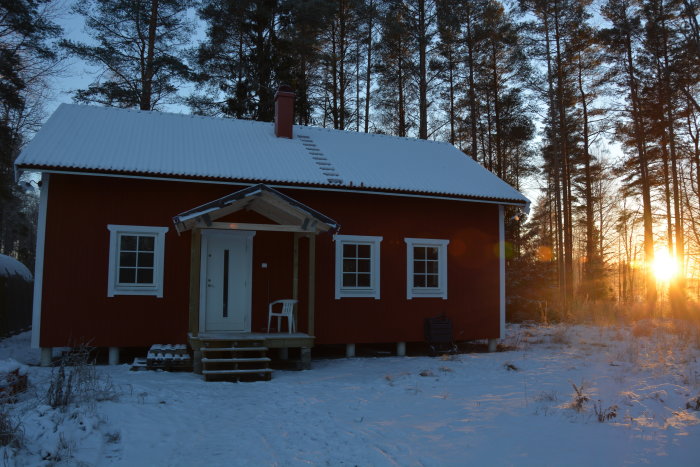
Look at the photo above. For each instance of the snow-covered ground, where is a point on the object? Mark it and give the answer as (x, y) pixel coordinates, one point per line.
(517, 407)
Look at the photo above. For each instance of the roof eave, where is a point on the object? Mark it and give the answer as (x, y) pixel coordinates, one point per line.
(273, 183)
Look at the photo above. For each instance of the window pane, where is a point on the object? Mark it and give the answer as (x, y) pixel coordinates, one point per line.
(431, 280)
(418, 281)
(363, 280)
(419, 266)
(349, 265)
(363, 265)
(145, 276)
(146, 242)
(363, 251)
(419, 252)
(432, 252)
(127, 276)
(145, 260)
(432, 267)
(128, 242)
(127, 259)
(349, 280)
(349, 251)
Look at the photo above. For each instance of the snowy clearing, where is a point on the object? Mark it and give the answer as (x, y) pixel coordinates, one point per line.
(517, 407)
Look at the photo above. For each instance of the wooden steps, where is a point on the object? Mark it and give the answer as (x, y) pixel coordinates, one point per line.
(235, 360)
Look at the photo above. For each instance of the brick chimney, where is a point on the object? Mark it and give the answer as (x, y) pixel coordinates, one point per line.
(284, 112)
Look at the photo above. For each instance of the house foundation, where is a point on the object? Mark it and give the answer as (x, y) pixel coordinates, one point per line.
(401, 349)
(114, 355)
(493, 343)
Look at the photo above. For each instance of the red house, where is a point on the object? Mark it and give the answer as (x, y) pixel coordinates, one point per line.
(165, 228)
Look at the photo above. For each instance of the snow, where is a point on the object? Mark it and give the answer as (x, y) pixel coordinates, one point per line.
(9, 365)
(508, 408)
(10, 267)
(185, 146)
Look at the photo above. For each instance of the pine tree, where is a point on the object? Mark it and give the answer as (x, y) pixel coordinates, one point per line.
(137, 51)
(395, 69)
(27, 62)
(622, 41)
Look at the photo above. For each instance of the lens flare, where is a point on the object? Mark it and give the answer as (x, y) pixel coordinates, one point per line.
(664, 266)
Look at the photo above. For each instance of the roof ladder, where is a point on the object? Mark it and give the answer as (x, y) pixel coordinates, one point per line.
(324, 165)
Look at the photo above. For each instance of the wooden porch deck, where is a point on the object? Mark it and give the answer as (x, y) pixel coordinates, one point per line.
(272, 340)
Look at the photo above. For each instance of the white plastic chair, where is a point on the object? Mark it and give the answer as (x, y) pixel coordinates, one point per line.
(287, 312)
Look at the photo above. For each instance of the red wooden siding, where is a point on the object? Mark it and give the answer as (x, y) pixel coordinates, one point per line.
(75, 306)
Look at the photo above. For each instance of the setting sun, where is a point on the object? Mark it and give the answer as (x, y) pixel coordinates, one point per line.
(664, 266)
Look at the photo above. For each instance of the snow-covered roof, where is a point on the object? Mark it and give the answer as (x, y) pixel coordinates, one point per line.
(11, 267)
(90, 138)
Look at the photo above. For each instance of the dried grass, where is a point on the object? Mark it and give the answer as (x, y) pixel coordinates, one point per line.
(11, 430)
(76, 380)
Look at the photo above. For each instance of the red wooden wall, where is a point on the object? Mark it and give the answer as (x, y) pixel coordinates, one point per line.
(76, 309)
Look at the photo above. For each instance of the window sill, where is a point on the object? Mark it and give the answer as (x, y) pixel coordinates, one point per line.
(423, 293)
(367, 293)
(123, 291)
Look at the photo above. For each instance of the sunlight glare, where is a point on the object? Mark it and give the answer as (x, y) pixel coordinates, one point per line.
(664, 266)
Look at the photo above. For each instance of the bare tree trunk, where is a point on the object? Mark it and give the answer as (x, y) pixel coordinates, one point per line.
(640, 142)
(591, 255)
(422, 71)
(342, 75)
(402, 100)
(563, 147)
(556, 166)
(472, 85)
(679, 286)
(500, 163)
(147, 81)
(368, 72)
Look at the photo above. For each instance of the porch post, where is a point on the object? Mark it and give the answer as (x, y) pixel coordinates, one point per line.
(312, 281)
(295, 272)
(195, 259)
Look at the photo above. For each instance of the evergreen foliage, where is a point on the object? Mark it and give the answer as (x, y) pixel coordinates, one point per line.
(27, 61)
(137, 50)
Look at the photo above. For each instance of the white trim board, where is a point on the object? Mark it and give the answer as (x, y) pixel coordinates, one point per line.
(373, 291)
(39, 260)
(502, 270)
(113, 287)
(426, 292)
(526, 206)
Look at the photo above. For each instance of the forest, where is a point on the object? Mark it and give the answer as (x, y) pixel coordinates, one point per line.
(590, 107)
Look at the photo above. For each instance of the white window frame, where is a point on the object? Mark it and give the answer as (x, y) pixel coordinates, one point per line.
(113, 286)
(373, 290)
(435, 292)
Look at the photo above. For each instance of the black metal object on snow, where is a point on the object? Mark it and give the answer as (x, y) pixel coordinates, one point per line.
(438, 335)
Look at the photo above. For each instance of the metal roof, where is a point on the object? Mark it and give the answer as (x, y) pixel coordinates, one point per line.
(110, 140)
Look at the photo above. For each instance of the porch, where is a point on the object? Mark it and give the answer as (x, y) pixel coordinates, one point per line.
(237, 355)
(230, 287)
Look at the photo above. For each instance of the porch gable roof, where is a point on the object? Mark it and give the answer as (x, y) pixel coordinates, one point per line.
(292, 215)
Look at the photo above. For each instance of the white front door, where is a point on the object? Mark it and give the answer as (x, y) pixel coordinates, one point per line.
(226, 280)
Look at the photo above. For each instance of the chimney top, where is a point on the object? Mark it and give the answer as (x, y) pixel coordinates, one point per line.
(284, 111)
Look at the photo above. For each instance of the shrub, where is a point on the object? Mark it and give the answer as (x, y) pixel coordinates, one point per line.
(11, 431)
(76, 380)
(604, 415)
(579, 398)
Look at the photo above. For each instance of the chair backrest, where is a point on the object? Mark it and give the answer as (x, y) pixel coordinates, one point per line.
(287, 304)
